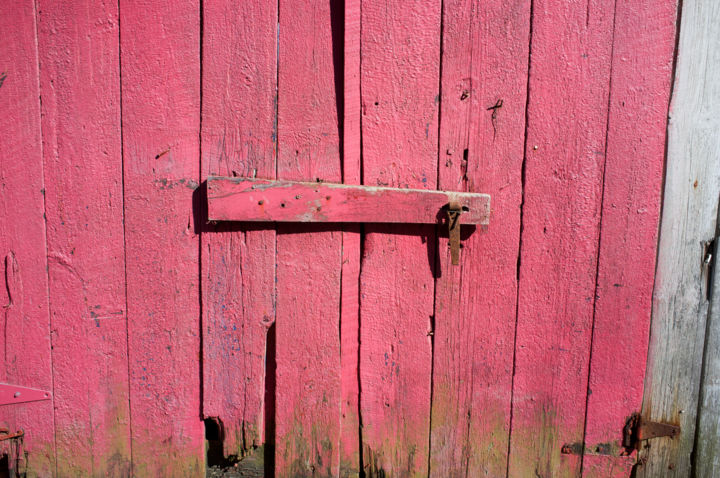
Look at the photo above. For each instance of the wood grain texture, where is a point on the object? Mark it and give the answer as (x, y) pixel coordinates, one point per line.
(689, 221)
(160, 51)
(25, 343)
(351, 244)
(482, 123)
(238, 265)
(643, 46)
(707, 446)
(567, 116)
(80, 85)
(608, 465)
(244, 199)
(400, 60)
(307, 327)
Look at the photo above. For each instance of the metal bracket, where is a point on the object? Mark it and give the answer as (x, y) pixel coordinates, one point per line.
(638, 429)
(6, 435)
(11, 394)
(454, 211)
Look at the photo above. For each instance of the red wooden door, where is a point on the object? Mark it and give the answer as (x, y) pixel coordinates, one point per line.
(490, 367)
(345, 348)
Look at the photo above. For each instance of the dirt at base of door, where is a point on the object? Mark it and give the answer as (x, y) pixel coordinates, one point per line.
(242, 469)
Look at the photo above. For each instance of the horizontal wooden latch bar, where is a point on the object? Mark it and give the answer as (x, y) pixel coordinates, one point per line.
(262, 200)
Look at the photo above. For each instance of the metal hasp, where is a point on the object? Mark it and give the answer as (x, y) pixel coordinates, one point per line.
(454, 211)
(11, 394)
(638, 429)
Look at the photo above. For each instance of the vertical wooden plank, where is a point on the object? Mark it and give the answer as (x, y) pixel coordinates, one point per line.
(689, 223)
(24, 290)
(160, 48)
(238, 266)
(308, 258)
(707, 446)
(80, 83)
(351, 244)
(482, 123)
(400, 61)
(565, 149)
(643, 48)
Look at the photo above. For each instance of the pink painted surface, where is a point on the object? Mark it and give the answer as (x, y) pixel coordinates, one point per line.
(13, 394)
(642, 65)
(606, 466)
(484, 80)
(80, 86)
(308, 396)
(238, 265)
(243, 199)
(564, 162)
(351, 244)
(360, 341)
(160, 48)
(400, 71)
(25, 343)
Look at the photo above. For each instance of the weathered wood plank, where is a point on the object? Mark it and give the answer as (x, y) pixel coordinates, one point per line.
(308, 258)
(400, 79)
(707, 446)
(643, 45)
(81, 132)
(565, 149)
(351, 244)
(24, 291)
(689, 221)
(80, 86)
(243, 199)
(482, 123)
(238, 266)
(160, 58)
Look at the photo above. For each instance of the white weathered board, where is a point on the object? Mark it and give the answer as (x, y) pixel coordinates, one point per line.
(680, 303)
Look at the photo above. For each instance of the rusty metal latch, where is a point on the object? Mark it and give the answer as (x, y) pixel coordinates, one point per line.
(6, 435)
(453, 212)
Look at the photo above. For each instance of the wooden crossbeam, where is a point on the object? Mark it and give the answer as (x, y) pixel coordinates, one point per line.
(262, 200)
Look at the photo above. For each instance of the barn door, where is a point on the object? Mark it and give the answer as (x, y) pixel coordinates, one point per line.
(335, 347)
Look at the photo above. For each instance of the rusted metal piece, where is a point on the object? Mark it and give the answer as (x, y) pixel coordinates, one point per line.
(629, 432)
(572, 449)
(638, 429)
(11, 394)
(648, 430)
(454, 211)
(578, 448)
(6, 435)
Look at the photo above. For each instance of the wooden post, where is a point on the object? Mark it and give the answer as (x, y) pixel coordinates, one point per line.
(82, 160)
(689, 223)
(238, 265)
(707, 446)
(24, 307)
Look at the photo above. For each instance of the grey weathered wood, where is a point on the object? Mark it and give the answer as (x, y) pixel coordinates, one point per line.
(707, 446)
(689, 219)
